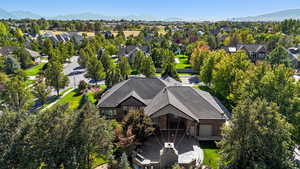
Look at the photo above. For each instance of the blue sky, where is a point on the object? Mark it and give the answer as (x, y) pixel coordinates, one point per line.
(186, 9)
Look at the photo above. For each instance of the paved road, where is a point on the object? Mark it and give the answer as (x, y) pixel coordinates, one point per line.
(75, 74)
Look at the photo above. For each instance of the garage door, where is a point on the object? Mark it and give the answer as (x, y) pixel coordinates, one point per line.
(205, 130)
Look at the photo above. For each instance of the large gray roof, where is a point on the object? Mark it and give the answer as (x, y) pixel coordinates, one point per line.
(195, 103)
(143, 89)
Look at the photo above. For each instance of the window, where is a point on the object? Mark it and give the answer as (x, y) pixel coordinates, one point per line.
(109, 113)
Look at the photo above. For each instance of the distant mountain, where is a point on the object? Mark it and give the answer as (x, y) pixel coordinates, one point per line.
(5, 15)
(80, 16)
(173, 19)
(275, 16)
(25, 14)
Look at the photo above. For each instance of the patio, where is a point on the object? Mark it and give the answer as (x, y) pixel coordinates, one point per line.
(189, 151)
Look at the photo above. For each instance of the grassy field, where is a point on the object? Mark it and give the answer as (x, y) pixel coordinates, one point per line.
(211, 154)
(33, 71)
(183, 62)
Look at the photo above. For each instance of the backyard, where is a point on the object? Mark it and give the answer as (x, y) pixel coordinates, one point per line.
(211, 154)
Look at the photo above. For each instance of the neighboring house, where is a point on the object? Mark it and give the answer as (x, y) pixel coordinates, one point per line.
(254, 51)
(76, 36)
(183, 115)
(294, 54)
(130, 51)
(9, 50)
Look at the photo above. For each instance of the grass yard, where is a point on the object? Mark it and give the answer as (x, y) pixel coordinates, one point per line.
(211, 154)
(183, 62)
(97, 161)
(73, 98)
(33, 71)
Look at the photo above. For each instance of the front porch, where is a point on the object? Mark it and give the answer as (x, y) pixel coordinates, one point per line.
(201, 130)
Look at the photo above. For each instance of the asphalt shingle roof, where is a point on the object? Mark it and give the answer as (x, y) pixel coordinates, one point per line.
(143, 88)
(193, 102)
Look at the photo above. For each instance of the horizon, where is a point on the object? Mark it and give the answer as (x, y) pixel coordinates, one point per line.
(193, 10)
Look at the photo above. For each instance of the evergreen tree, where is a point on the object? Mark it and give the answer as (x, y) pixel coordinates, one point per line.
(11, 65)
(124, 164)
(17, 96)
(279, 56)
(41, 91)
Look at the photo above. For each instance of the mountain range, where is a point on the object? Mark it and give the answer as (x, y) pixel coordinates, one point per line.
(274, 16)
(79, 16)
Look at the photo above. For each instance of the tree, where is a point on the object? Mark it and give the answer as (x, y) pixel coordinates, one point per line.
(141, 124)
(198, 56)
(55, 76)
(95, 70)
(106, 60)
(11, 65)
(148, 68)
(228, 70)
(24, 57)
(170, 70)
(41, 91)
(124, 67)
(4, 31)
(17, 96)
(47, 46)
(138, 61)
(256, 130)
(113, 76)
(279, 56)
(83, 86)
(124, 164)
(212, 41)
(207, 70)
(56, 138)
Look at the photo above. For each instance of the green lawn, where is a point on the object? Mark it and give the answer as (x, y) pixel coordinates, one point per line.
(33, 71)
(53, 99)
(211, 154)
(97, 161)
(183, 62)
(73, 98)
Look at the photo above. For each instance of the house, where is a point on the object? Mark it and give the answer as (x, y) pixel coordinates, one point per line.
(9, 50)
(130, 51)
(183, 115)
(293, 54)
(254, 51)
